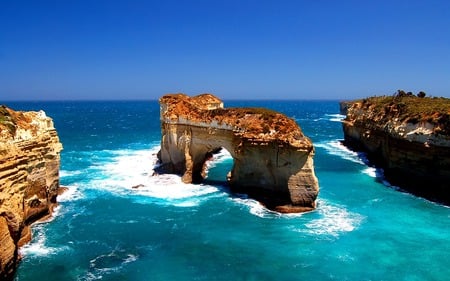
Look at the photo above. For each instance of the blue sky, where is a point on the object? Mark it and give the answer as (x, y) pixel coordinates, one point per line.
(315, 49)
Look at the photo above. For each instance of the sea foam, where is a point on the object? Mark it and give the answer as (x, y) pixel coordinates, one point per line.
(72, 193)
(332, 220)
(335, 147)
(255, 207)
(109, 263)
(129, 173)
(335, 117)
(38, 246)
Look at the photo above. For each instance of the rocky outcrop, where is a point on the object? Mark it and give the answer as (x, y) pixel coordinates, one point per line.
(407, 136)
(273, 160)
(29, 180)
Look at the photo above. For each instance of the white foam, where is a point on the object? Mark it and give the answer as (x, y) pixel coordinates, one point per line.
(170, 187)
(335, 117)
(371, 171)
(109, 263)
(38, 247)
(255, 207)
(220, 157)
(66, 173)
(336, 148)
(130, 172)
(259, 210)
(130, 258)
(72, 193)
(55, 212)
(333, 220)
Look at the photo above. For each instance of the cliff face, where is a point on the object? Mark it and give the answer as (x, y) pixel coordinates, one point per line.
(273, 160)
(406, 136)
(29, 179)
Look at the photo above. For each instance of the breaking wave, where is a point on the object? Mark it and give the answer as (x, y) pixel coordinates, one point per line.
(332, 220)
(335, 117)
(336, 148)
(129, 173)
(39, 246)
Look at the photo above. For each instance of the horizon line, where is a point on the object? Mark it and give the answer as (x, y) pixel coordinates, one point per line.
(156, 99)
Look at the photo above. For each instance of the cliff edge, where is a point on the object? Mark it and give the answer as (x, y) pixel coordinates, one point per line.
(406, 135)
(29, 179)
(273, 160)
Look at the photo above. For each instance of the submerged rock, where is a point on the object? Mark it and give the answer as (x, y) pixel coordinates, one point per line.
(29, 179)
(273, 160)
(407, 136)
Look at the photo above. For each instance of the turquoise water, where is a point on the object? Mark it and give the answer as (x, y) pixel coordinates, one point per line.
(104, 229)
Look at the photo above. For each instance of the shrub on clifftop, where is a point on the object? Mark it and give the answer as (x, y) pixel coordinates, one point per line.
(412, 108)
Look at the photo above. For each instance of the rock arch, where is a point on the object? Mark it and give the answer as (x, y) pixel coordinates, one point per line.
(273, 160)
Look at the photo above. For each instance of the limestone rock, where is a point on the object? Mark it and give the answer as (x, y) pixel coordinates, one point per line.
(29, 179)
(273, 160)
(409, 137)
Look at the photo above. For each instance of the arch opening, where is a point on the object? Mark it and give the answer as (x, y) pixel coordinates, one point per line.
(272, 159)
(216, 166)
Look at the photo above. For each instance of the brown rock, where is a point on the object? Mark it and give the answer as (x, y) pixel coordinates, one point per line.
(8, 249)
(406, 136)
(29, 179)
(273, 160)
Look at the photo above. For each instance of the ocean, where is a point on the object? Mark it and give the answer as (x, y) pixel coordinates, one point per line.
(104, 229)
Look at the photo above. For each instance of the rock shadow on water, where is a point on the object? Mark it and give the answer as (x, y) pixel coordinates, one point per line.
(394, 182)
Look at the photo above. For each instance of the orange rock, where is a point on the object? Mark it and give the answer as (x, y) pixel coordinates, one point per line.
(29, 179)
(273, 160)
(408, 137)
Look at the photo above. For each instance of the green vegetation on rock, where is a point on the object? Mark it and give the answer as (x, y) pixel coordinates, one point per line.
(410, 108)
(6, 120)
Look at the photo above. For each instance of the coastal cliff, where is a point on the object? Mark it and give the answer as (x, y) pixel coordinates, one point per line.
(406, 135)
(273, 160)
(29, 179)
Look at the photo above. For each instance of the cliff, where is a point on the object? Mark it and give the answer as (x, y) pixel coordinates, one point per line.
(273, 160)
(407, 136)
(29, 180)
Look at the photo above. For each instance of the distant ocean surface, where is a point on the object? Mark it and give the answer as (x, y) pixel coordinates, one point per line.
(363, 229)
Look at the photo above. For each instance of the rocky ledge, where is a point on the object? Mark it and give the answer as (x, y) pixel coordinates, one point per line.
(273, 160)
(29, 179)
(406, 135)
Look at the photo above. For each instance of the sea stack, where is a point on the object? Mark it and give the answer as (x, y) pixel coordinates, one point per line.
(273, 159)
(406, 135)
(29, 179)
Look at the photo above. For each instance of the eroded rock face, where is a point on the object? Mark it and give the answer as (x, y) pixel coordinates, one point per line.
(273, 160)
(29, 179)
(413, 151)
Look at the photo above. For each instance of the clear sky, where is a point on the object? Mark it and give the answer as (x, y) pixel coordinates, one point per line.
(279, 49)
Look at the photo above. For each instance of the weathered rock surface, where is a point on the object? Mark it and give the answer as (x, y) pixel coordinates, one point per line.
(273, 160)
(29, 179)
(406, 136)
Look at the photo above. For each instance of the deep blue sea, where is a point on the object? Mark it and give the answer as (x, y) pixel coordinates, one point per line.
(103, 229)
